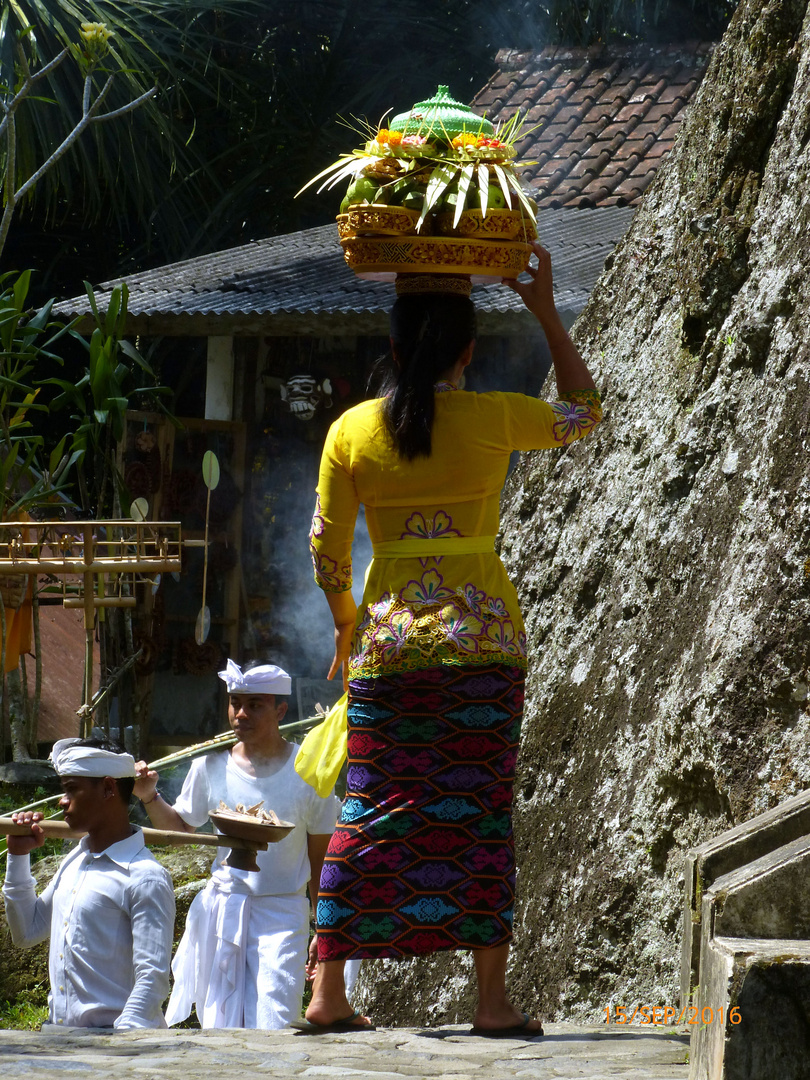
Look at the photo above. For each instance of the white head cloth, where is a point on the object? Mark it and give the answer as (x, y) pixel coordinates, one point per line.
(263, 679)
(69, 759)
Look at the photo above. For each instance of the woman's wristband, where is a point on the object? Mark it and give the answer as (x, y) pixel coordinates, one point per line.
(146, 802)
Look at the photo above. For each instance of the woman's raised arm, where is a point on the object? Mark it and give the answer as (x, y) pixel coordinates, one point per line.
(570, 369)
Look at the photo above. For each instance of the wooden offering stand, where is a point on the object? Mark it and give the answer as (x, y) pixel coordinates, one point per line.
(243, 849)
(252, 834)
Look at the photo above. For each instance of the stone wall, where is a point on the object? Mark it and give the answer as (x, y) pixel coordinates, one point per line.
(664, 563)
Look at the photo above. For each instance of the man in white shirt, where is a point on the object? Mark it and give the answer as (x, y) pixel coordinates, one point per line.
(109, 909)
(241, 960)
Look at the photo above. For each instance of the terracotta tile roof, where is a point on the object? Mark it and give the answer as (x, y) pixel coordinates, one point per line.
(606, 116)
(299, 284)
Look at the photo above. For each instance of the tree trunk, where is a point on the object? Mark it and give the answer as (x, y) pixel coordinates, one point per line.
(662, 563)
(17, 716)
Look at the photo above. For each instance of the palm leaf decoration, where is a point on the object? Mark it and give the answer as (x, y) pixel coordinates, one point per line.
(440, 179)
(503, 181)
(464, 184)
(440, 143)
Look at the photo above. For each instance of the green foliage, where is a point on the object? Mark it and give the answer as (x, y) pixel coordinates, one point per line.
(27, 1012)
(99, 400)
(26, 339)
(120, 168)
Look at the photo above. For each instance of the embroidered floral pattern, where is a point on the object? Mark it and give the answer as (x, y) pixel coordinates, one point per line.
(441, 524)
(577, 411)
(428, 623)
(573, 421)
(475, 598)
(317, 520)
(327, 575)
(428, 590)
(591, 398)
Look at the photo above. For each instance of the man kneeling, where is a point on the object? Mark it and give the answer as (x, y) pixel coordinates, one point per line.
(109, 909)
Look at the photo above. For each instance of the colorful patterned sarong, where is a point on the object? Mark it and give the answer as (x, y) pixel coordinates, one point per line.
(423, 856)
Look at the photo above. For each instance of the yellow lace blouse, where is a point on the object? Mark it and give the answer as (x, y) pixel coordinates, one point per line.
(455, 608)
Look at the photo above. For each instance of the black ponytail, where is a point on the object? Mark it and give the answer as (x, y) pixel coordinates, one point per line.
(429, 331)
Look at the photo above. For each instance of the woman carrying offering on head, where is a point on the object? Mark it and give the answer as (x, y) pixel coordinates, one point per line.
(423, 856)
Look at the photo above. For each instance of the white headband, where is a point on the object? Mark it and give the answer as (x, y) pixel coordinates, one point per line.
(264, 679)
(72, 760)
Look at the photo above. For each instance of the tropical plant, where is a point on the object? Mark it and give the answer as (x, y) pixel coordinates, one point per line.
(99, 400)
(90, 56)
(27, 485)
(123, 171)
(26, 340)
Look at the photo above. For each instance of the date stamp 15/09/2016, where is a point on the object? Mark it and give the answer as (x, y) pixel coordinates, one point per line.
(668, 1014)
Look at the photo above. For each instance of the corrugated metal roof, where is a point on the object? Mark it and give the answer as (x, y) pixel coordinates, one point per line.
(299, 283)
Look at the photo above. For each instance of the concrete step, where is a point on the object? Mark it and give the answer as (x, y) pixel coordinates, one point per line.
(766, 898)
(752, 1015)
(725, 853)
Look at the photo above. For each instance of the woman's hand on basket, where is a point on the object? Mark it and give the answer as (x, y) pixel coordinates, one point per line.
(537, 294)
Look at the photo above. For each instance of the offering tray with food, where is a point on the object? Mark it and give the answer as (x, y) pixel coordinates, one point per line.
(435, 192)
(251, 823)
(60, 830)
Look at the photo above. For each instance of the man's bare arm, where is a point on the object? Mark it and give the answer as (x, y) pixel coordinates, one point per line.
(160, 813)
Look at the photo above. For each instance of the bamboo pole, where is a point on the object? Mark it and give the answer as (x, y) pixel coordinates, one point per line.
(60, 830)
(218, 742)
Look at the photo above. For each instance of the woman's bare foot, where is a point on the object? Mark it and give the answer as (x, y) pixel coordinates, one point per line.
(495, 1011)
(329, 1004)
(505, 1018)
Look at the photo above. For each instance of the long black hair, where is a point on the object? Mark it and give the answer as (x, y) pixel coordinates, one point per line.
(429, 332)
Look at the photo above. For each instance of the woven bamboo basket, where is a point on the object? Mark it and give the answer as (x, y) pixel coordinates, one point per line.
(497, 225)
(484, 260)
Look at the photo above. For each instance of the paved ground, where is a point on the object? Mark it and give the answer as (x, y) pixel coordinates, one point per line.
(448, 1053)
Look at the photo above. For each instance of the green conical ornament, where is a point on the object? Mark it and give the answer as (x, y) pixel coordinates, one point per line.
(442, 117)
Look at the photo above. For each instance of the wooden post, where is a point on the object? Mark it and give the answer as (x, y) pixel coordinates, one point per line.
(89, 625)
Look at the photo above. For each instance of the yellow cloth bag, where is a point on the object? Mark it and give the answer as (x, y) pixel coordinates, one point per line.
(323, 751)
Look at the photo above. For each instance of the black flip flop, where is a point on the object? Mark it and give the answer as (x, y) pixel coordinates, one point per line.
(517, 1031)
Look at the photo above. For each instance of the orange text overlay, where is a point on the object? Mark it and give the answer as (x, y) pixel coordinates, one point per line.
(668, 1014)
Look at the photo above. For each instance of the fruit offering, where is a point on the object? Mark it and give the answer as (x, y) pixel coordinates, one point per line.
(439, 158)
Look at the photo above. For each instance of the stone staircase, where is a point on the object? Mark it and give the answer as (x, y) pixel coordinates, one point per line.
(745, 960)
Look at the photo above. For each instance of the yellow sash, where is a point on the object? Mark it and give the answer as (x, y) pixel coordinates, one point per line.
(323, 751)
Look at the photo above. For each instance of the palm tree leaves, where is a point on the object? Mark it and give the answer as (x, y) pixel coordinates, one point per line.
(125, 167)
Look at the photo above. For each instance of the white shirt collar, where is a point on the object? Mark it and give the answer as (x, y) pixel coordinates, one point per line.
(121, 852)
